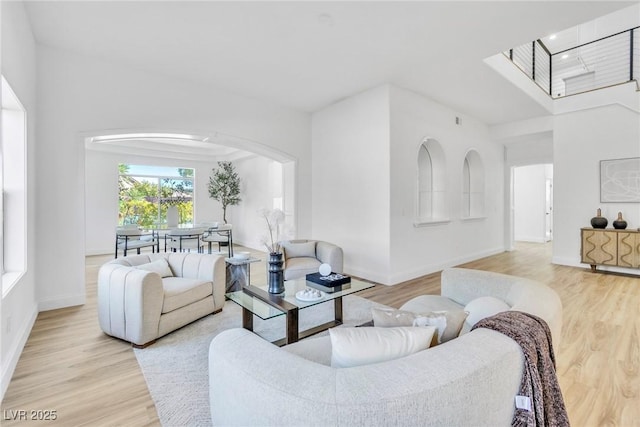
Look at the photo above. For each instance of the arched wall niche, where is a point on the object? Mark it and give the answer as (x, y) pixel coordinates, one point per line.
(431, 203)
(473, 185)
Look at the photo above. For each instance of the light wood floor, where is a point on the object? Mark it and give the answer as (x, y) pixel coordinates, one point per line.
(70, 366)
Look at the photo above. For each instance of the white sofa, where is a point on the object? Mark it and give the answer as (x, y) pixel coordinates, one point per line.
(468, 381)
(139, 305)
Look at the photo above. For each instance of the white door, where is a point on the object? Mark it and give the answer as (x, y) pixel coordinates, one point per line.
(549, 209)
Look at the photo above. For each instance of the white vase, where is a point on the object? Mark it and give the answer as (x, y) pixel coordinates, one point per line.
(172, 216)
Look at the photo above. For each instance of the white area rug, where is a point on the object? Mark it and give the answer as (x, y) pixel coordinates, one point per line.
(176, 367)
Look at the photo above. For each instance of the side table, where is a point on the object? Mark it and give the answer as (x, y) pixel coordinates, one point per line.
(238, 273)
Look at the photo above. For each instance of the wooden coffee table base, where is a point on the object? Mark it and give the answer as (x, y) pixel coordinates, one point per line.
(291, 312)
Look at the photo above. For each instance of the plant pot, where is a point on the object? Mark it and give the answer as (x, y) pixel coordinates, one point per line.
(620, 223)
(275, 273)
(599, 221)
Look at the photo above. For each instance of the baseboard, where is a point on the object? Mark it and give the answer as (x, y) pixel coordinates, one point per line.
(575, 262)
(93, 252)
(61, 302)
(433, 268)
(568, 261)
(531, 239)
(400, 277)
(13, 356)
(366, 275)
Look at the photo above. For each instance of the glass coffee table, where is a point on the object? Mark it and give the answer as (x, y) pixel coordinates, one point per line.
(256, 300)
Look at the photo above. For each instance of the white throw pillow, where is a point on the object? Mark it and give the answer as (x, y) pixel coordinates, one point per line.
(298, 250)
(160, 266)
(482, 307)
(448, 323)
(363, 346)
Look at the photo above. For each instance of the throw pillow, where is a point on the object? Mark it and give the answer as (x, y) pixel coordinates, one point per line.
(448, 323)
(363, 346)
(482, 307)
(298, 250)
(160, 266)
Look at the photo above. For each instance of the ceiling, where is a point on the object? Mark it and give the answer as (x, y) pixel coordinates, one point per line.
(306, 55)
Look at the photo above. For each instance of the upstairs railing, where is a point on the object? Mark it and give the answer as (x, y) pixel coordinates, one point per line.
(601, 63)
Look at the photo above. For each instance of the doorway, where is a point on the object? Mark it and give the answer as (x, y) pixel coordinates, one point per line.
(533, 203)
(104, 152)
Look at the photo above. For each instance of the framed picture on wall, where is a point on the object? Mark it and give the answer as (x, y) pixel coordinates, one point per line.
(620, 180)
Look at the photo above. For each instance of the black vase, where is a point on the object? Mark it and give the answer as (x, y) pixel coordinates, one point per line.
(275, 278)
(620, 223)
(599, 221)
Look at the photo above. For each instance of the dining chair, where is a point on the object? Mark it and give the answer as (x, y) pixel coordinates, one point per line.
(222, 235)
(132, 237)
(184, 239)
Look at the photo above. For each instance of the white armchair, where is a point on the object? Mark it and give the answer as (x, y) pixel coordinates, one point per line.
(144, 297)
(302, 257)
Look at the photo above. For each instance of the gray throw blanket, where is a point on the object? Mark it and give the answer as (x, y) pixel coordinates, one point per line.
(539, 381)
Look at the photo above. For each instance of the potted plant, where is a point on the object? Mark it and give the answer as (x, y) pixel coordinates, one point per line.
(224, 186)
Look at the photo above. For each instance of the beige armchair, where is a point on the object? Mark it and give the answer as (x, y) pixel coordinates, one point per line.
(144, 297)
(302, 257)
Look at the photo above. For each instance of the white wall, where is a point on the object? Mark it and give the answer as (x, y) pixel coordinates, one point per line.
(350, 155)
(364, 185)
(416, 251)
(261, 181)
(79, 95)
(530, 203)
(19, 307)
(581, 140)
(535, 149)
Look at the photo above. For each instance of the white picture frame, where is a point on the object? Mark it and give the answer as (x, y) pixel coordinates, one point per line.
(620, 180)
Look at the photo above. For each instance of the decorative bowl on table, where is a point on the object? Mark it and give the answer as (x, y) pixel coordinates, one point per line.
(242, 255)
(310, 295)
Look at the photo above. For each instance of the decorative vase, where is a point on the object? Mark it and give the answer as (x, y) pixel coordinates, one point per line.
(275, 278)
(620, 223)
(599, 221)
(172, 216)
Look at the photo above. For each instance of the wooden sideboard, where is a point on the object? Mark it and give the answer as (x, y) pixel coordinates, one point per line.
(619, 248)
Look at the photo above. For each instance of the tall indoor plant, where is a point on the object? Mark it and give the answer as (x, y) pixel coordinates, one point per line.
(224, 186)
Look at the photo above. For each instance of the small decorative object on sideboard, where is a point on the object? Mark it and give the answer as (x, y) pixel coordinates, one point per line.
(620, 223)
(599, 221)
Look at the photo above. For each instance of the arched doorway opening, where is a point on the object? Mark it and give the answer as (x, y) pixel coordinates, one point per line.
(267, 179)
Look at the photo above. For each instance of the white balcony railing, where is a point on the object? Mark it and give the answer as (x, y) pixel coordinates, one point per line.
(601, 63)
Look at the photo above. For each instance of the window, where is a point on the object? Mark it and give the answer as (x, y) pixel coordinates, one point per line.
(472, 186)
(147, 192)
(431, 197)
(13, 251)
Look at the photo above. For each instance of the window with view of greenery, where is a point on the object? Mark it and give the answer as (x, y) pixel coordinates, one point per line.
(146, 192)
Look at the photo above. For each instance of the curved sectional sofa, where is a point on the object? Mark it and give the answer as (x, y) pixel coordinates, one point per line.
(470, 380)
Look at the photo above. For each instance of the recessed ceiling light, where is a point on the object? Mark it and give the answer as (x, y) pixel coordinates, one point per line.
(565, 56)
(552, 37)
